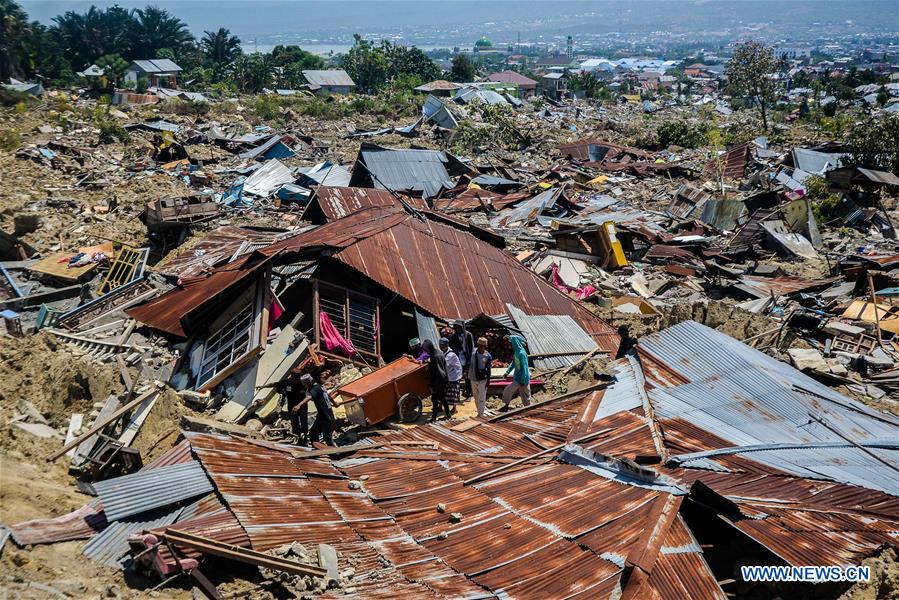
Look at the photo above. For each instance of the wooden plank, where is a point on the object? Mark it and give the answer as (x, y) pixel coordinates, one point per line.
(511, 413)
(137, 420)
(42, 297)
(244, 555)
(56, 265)
(100, 424)
(78, 453)
(75, 422)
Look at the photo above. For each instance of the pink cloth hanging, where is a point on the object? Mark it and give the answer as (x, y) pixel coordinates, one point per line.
(331, 337)
(582, 293)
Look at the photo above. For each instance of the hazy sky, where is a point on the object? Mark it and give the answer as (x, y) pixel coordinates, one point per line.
(502, 18)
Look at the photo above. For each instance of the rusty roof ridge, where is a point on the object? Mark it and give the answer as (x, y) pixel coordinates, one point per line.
(620, 470)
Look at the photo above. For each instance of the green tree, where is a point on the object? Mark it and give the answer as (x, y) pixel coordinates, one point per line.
(253, 72)
(464, 69)
(282, 56)
(749, 74)
(220, 46)
(154, 29)
(84, 38)
(372, 67)
(587, 83)
(875, 143)
(14, 32)
(366, 65)
(113, 66)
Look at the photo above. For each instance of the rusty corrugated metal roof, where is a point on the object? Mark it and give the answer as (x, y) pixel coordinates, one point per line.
(338, 202)
(418, 258)
(171, 311)
(76, 525)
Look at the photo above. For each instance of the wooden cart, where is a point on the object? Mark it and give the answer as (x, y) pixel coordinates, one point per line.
(395, 389)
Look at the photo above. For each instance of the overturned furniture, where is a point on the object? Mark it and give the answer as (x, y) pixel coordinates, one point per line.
(169, 213)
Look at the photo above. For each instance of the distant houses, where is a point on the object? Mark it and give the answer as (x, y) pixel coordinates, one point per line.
(527, 87)
(329, 81)
(160, 72)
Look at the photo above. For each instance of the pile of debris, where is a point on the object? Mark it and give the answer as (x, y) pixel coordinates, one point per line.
(199, 273)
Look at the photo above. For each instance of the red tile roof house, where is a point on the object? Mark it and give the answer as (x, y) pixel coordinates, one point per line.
(527, 87)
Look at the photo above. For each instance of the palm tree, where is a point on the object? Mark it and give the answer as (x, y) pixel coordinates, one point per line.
(154, 29)
(84, 38)
(221, 46)
(14, 29)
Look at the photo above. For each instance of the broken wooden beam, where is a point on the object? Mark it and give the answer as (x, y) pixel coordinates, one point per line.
(100, 424)
(41, 298)
(586, 390)
(244, 555)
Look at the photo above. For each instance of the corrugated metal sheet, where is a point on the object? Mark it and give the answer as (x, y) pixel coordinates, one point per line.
(148, 489)
(417, 170)
(765, 287)
(110, 545)
(179, 454)
(750, 398)
(722, 214)
(157, 65)
(552, 334)
(268, 178)
(339, 202)
(526, 213)
(812, 161)
(687, 202)
(170, 311)
(328, 77)
(879, 176)
(415, 258)
(599, 208)
(733, 163)
(79, 524)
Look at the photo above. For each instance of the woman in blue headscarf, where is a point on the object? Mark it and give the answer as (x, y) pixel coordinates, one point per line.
(521, 374)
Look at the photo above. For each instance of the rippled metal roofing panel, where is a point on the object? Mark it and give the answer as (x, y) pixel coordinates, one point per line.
(76, 525)
(148, 489)
(338, 202)
(328, 77)
(111, 544)
(400, 169)
(552, 334)
(750, 398)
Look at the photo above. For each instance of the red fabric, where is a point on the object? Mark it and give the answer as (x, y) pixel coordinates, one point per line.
(582, 293)
(331, 337)
(274, 312)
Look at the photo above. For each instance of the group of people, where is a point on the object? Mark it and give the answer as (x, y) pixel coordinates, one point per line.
(458, 363)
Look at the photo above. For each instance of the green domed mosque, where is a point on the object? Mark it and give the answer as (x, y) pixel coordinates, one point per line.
(483, 44)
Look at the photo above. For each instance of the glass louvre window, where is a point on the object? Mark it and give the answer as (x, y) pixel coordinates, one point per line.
(226, 345)
(354, 315)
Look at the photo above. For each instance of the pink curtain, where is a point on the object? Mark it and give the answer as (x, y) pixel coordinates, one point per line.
(332, 338)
